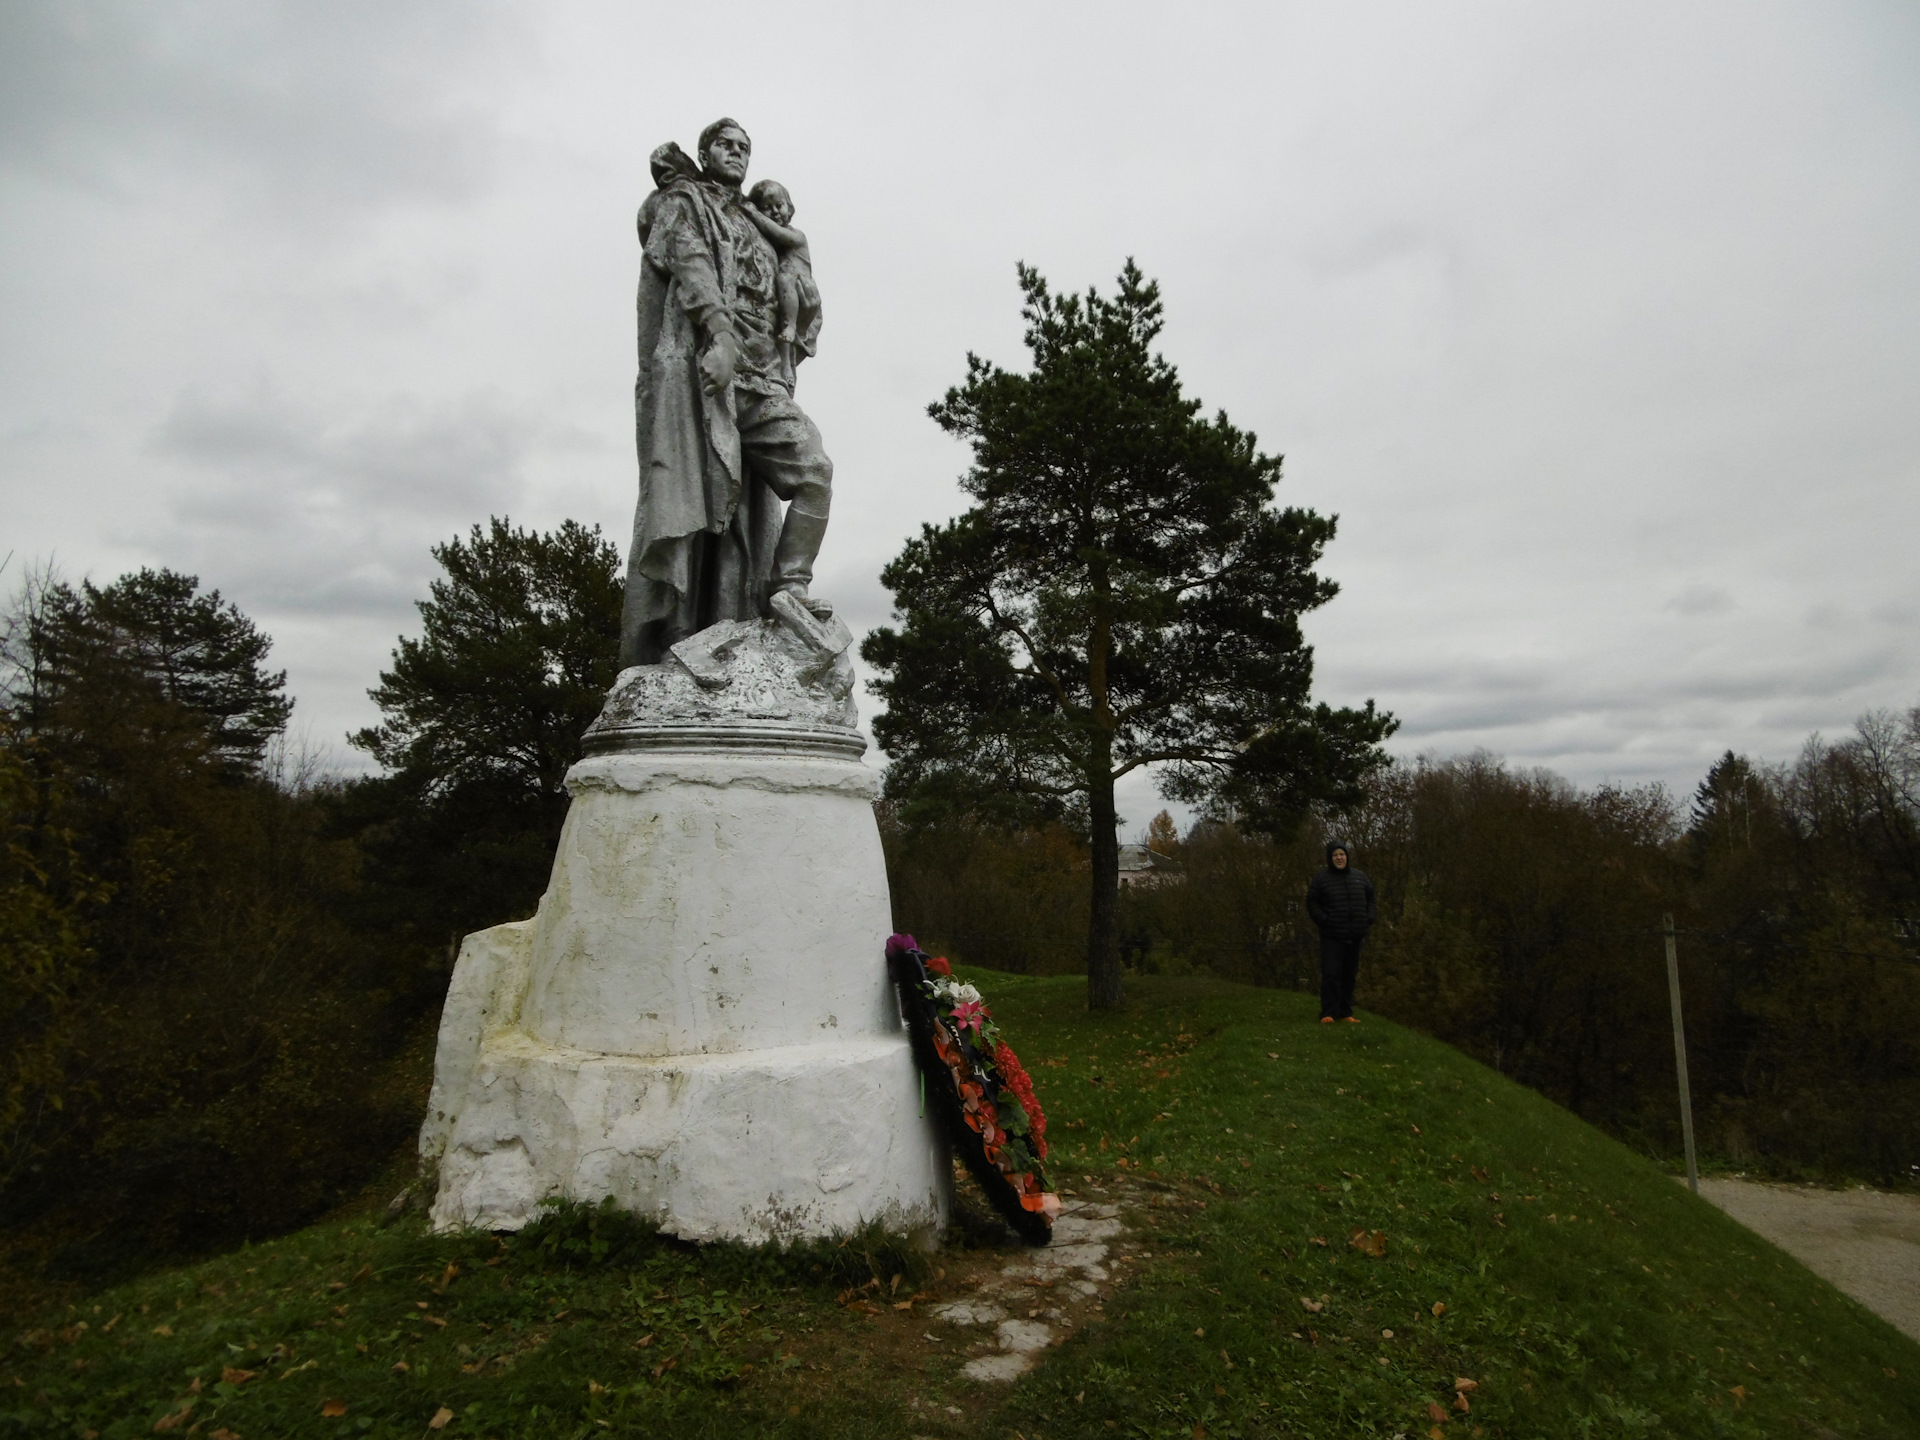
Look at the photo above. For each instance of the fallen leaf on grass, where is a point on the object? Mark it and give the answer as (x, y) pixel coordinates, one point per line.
(1465, 1384)
(1439, 1308)
(903, 1305)
(594, 1387)
(1436, 1433)
(664, 1366)
(441, 1418)
(1500, 1219)
(333, 1409)
(1414, 1128)
(224, 1434)
(178, 1417)
(1320, 1240)
(163, 1329)
(1739, 1393)
(1434, 1412)
(236, 1377)
(643, 1341)
(1312, 1307)
(402, 1366)
(1461, 1404)
(1480, 1174)
(1369, 1242)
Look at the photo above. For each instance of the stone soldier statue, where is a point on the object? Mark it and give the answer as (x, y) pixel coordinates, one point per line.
(721, 441)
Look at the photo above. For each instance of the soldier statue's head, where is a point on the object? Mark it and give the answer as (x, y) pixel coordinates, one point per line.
(724, 151)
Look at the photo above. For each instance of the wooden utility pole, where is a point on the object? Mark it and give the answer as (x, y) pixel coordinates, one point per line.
(1680, 1053)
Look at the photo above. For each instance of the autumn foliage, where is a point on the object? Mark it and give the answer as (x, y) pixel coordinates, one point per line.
(1520, 920)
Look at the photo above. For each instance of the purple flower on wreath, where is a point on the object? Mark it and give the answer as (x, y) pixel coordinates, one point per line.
(969, 1012)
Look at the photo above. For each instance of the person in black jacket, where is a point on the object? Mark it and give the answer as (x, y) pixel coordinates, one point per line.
(1340, 902)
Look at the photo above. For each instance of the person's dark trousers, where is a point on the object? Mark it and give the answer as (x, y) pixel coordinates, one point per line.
(1339, 968)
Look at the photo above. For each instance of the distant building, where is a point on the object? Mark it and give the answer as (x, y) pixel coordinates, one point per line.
(1146, 868)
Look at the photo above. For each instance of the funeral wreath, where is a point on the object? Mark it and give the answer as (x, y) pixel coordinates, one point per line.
(978, 1088)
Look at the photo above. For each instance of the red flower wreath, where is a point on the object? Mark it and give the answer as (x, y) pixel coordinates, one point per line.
(978, 1066)
(1014, 1076)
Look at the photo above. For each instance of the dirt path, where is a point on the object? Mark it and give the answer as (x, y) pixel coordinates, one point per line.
(1867, 1242)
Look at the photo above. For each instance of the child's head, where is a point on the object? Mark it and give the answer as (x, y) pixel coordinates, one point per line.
(771, 199)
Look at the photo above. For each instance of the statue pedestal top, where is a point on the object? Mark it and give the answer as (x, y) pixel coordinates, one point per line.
(742, 684)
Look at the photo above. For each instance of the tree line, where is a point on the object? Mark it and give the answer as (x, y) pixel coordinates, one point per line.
(220, 967)
(1521, 921)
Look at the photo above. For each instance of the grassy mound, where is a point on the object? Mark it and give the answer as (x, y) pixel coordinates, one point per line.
(1364, 1219)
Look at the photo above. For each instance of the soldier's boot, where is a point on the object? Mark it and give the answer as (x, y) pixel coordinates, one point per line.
(800, 538)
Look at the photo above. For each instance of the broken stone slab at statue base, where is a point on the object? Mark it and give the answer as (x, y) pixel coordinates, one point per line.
(697, 1022)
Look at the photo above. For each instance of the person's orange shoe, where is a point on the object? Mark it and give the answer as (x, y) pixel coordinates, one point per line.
(1326, 1019)
(1353, 1019)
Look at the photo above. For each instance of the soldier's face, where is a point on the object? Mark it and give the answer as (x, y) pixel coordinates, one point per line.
(726, 157)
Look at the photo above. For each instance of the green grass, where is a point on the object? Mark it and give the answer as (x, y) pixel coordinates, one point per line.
(1593, 1297)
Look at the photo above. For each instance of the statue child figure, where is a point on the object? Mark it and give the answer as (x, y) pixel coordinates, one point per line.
(770, 208)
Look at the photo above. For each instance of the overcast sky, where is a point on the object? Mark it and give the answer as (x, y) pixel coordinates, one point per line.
(1597, 325)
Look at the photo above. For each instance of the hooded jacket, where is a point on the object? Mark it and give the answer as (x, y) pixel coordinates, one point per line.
(1341, 902)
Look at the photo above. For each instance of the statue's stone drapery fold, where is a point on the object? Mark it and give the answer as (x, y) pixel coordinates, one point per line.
(716, 459)
(704, 531)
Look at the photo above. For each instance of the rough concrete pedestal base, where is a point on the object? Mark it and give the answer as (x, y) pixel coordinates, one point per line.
(698, 1021)
(763, 1145)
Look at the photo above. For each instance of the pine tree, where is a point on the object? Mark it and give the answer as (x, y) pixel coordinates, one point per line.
(483, 715)
(1122, 593)
(151, 638)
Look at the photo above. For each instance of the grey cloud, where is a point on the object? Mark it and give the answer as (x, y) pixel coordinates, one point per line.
(1700, 599)
(404, 452)
(1389, 243)
(311, 513)
(309, 107)
(1895, 612)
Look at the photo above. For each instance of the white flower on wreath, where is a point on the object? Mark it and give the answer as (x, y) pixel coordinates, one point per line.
(965, 994)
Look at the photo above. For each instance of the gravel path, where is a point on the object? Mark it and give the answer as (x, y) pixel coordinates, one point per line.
(1867, 1242)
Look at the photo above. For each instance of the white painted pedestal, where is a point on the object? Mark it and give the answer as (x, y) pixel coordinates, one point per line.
(698, 1021)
